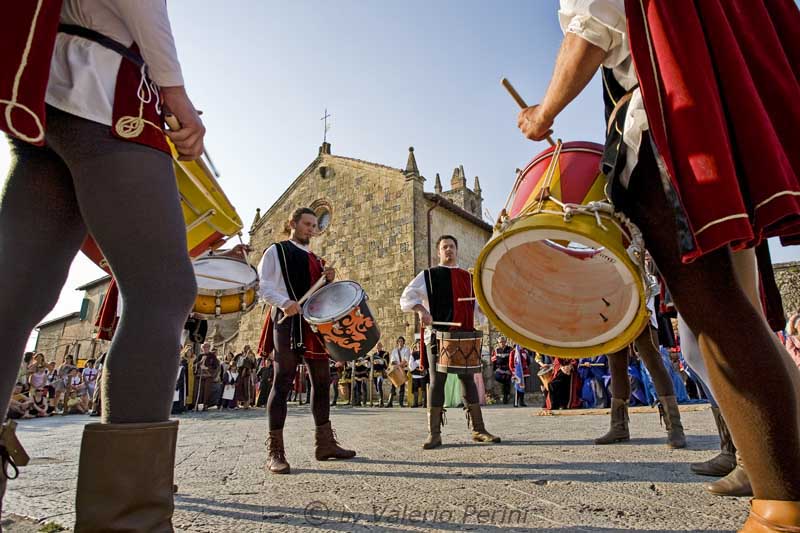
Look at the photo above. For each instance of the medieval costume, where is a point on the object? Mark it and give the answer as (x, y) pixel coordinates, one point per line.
(265, 376)
(502, 370)
(518, 366)
(564, 389)
(287, 271)
(379, 364)
(594, 375)
(446, 292)
(210, 378)
(84, 110)
(418, 379)
(245, 382)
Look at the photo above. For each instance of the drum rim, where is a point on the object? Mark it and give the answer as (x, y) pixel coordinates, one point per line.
(361, 297)
(548, 221)
(239, 289)
(456, 335)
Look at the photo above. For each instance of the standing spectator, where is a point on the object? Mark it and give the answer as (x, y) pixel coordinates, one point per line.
(418, 375)
(333, 367)
(181, 388)
(565, 387)
(378, 363)
(191, 376)
(245, 383)
(792, 341)
(518, 365)
(90, 380)
(97, 397)
(400, 356)
(266, 375)
(361, 374)
(37, 379)
(229, 378)
(500, 365)
(209, 371)
(24, 372)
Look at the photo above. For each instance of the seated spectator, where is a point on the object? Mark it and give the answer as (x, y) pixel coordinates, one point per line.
(792, 341)
(55, 386)
(39, 406)
(20, 404)
(76, 403)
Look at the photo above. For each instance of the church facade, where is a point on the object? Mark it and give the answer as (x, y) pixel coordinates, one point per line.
(378, 228)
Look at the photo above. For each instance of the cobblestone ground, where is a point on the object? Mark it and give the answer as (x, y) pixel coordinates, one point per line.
(546, 475)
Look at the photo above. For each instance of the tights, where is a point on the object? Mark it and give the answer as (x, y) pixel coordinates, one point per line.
(285, 369)
(125, 195)
(755, 387)
(469, 391)
(618, 365)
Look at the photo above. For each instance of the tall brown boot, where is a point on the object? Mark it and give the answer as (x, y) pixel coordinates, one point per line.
(618, 432)
(436, 419)
(475, 419)
(772, 516)
(328, 447)
(125, 477)
(668, 407)
(723, 463)
(12, 455)
(737, 483)
(276, 454)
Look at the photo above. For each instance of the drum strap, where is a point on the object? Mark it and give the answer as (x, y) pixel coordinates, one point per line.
(107, 42)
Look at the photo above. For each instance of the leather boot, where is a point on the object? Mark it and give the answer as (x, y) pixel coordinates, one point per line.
(125, 477)
(328, 447)
(668, 407)
(276, 453)
(772, 516)
(725, 461)
(12, 454)
(475, 419)
(436, 419)
(618, 432)
(737, 483)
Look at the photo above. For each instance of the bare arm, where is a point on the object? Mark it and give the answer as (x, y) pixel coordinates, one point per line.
(576, 64)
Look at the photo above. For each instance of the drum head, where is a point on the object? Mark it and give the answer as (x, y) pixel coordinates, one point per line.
(577, 297)
(332, 302)
(239, 274)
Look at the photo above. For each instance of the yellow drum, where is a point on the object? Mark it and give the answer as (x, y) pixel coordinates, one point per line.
(226, 287)
(563, 274)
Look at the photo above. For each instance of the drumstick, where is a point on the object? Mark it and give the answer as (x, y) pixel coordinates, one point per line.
(320, 282)
(455, 324)
(174, 125)
(226, 280)
(520, 102)
(471, 299)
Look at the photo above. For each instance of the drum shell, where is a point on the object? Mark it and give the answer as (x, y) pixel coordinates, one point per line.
(397, 376)
(615, 243)
(459, 352)
(350, 336)
(229, 303)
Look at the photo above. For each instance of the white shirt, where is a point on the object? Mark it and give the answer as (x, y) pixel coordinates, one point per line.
(416, 293)
(602, 23)
(400, 354)
(413, 364)
(83, 74)
(272, 287)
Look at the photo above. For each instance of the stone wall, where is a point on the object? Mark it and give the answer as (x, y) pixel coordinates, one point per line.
(787, 276)
(74, 335)
(370, 238)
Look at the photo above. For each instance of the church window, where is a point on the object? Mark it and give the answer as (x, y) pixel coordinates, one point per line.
(324, 214)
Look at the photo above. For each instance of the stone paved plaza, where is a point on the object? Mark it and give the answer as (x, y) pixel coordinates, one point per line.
(546, 475)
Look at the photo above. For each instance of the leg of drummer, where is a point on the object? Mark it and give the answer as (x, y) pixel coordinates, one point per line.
(41, 230)
(327, 447)
(285, 368)
(749, 396)
(667, 402)
(436, 411)
(620, 396)
(472, 407)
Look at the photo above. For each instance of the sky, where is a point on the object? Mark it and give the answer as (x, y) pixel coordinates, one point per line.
(391, 74)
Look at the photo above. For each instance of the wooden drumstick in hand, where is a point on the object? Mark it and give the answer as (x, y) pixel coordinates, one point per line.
(174, 125)
(520, 102)
(314, 288)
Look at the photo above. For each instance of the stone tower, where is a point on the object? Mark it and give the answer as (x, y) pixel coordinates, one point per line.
(470, 200)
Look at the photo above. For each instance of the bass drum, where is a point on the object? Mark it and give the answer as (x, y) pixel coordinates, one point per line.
(563, 274)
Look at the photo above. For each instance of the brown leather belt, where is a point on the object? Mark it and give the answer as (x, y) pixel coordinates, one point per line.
(621, 102)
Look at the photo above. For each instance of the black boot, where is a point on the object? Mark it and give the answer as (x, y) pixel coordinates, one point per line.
(723, 463)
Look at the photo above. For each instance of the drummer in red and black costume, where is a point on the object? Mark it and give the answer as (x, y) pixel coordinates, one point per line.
(434, 294)
(702, 153)
(287, 271)
(83, 86)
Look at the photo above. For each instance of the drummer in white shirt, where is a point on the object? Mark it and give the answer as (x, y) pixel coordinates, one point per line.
(399, 356)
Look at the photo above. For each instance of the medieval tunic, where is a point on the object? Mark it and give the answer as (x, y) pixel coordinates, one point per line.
(287, 270)
(714, 87)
